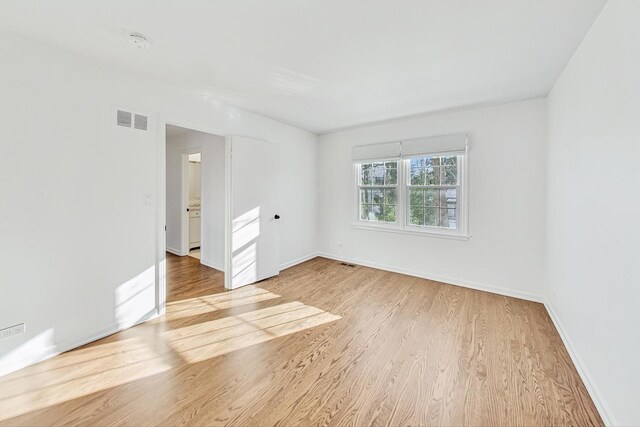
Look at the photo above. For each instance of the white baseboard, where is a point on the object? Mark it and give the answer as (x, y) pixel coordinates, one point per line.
(211, 264)
(437, 278)
(596, 396)
(174, 251)
(57, 349)
(297, 261)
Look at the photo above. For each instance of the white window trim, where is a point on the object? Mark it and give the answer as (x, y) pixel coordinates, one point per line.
(401, 225)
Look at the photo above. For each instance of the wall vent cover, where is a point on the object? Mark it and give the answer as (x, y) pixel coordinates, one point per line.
(140, 122)
(124, 118)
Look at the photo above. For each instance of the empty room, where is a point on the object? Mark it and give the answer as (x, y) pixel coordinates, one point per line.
(319, 213)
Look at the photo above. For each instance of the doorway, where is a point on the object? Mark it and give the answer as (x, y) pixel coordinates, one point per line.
(192, 179)
(238, 215)
(195, 197)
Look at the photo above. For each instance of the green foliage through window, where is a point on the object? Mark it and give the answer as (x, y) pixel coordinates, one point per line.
(433, 194)
(429, 194)
(378, 192)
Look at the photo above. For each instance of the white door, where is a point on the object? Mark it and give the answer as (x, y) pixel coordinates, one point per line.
(254, 253)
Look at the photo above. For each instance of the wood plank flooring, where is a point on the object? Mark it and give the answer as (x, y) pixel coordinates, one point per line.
(321, 344)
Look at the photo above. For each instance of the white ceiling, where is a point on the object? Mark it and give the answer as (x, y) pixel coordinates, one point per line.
(326, 64)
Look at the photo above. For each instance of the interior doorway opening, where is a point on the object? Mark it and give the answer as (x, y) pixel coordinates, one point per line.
(195, 202)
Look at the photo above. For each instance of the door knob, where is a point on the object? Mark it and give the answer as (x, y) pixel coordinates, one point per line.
(277, 216)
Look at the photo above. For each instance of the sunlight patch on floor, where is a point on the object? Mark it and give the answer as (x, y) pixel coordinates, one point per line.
(211, 303)
(100, 367)
(210, 339)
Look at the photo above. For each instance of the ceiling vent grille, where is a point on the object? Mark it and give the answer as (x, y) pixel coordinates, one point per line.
(140, 122)
(124, 118)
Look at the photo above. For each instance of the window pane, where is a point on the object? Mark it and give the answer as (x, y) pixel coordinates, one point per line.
(423, 162)
(416, 215)
(377, 195)
(416, 197)
(432, 175)
(450, 161)
(431, 197)
(450, 175)
(435, 204)
(377, 213)
(391, 165)
(448, 218)
(434, 171)
(417, 176)
(378, 201)
(379, 173)
(443, 218)
(449, 197)
(439, 209)
(389, 213)
(377, 177)
(365, 170)
(431, 216)
(391, 176)
(390, 196)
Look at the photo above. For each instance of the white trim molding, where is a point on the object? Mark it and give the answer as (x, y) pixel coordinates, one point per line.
(294, 262)
(425, 233)
(57, 349)
(437, 278)
(587, 380)
(174, 251)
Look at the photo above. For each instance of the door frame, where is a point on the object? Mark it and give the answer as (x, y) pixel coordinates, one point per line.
(161, 203)
(185, 228)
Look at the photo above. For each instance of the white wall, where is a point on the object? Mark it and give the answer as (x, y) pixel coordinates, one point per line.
(79, 195)
(506, 201)
(212, 197)
(593, 207)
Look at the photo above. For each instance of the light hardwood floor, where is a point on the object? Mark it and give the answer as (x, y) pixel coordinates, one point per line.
(321, 344)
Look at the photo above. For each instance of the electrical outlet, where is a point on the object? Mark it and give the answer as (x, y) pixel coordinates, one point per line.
(11, 331)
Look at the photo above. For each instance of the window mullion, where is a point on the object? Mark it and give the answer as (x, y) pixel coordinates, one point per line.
(402, 194)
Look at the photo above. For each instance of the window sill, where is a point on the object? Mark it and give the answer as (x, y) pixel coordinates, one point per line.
(397, 230)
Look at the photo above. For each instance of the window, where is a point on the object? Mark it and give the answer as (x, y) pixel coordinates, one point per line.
(378, 189)
(412, 190)
(432, 186)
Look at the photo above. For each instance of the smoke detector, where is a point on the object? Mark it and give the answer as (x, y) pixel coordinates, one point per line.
(139, 40)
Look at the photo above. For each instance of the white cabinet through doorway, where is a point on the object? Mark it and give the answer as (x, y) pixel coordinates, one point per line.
(194, 227)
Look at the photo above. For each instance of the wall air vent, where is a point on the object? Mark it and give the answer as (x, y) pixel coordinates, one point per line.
(124, 118)
(140, 122)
